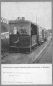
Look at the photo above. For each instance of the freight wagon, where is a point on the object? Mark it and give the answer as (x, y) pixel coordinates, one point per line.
(24, 35)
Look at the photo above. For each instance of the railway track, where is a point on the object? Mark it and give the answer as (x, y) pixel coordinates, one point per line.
(43, 52)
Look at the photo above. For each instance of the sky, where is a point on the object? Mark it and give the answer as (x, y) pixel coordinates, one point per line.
(37, 12)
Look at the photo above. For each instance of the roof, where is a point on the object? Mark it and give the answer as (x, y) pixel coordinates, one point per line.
(20, 22)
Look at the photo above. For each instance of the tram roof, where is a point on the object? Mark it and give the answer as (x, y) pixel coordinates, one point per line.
(19, 22)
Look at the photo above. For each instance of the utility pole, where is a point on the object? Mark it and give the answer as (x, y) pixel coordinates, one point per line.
(36, 19)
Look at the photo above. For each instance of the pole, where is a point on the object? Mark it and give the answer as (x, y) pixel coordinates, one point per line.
(36, 19)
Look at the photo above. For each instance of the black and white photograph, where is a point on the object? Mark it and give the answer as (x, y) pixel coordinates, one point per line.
(26, 43)
(26, 33)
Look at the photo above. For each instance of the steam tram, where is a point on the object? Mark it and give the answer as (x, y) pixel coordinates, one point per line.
(24, 36)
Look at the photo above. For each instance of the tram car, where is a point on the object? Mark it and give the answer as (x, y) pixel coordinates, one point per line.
(42, 35)
(45, 35)
(24, 35)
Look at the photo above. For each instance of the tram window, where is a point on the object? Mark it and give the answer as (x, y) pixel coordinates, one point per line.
(23, 31)
(15, 30)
